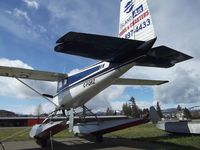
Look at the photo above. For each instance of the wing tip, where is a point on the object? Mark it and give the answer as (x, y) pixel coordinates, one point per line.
(65, 37)
(163, 82)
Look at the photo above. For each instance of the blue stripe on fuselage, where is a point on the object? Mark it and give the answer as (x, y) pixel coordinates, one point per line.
(110, 68)
(77, 80)
(74, 78)
(77, 77)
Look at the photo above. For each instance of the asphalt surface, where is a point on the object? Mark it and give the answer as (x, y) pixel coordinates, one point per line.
(83, 144)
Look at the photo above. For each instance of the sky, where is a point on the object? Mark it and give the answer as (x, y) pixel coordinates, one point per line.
(29, 29)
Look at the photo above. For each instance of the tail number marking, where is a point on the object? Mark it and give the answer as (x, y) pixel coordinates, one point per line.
(139, 27)
(89, 82)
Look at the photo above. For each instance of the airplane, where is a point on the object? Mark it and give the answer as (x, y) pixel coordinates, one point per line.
(133, 47)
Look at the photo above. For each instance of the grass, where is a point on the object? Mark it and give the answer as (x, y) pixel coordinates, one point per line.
(14, 133)
(149, 133)
(146, 133)
(22, 134)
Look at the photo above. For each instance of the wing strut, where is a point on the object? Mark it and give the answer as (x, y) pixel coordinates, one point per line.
(37, 92)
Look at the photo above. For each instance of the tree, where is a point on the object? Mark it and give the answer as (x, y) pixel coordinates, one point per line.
(131, 109)
(38, 110)
(159, 110)
(145, 112)
(135, 109)
(126, 109)
(109, 111)
(178, 108)
(187, 113)
(132, 100)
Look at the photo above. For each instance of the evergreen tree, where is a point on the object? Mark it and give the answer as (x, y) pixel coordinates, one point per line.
(159, 110)
(109, 111)
(187, 113)
(145, 112)
(135, 109)
(131, 109)
(126, 109)
(178, 108)
(38, 110)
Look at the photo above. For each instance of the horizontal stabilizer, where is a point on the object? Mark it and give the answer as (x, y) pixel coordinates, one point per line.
(163, 57)
(98, 47)
(125, 81)
(119, 50)
(31, 74)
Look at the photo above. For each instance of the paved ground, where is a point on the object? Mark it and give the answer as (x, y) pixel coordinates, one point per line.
(82, 144)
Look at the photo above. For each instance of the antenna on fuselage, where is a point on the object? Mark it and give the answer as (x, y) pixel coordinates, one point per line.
(64, 70)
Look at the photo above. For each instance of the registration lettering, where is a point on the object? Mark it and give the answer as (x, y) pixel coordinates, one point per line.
(89, 82)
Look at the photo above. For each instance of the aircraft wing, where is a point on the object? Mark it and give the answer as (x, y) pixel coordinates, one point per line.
(119, 50)
(31, 74)
(125, 81)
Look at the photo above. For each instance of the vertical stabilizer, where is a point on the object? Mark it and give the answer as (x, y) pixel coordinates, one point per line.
(135, 21)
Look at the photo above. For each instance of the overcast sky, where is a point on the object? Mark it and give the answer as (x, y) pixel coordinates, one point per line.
(29, 29)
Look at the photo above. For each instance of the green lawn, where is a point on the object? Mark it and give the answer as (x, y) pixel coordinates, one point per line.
(149, 133)
(14, 134)
(22, 134)
(146, 132)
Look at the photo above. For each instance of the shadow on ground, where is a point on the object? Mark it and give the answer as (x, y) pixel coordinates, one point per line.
(108, 143)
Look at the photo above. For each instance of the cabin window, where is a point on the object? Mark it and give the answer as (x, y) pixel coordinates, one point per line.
(102, 66)
(62, 83)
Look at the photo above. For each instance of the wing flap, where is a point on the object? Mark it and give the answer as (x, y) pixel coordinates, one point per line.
(31, 74)
(125, 81)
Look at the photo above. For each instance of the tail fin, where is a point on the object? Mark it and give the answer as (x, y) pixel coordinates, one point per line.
(135, 21)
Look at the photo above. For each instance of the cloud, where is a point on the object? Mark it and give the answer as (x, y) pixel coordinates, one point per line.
(178, 28)
(19, 23)
(82, 16)
(14, 63)
(21, 14)
(107, 99)
(183, 78)
(42, 29)
(183, 86)
(74, 71)
(30, 109)
(32, 4)
(18, 90)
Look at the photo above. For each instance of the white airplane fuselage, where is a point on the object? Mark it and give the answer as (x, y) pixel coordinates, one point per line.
(81, 91)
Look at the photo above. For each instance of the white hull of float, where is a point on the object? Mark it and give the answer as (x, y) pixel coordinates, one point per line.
(184, 127)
